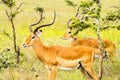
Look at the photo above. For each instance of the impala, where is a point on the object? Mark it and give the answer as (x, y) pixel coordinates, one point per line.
(90, 42)
(58, 57)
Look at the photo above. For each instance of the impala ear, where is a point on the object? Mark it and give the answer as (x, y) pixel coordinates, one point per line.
(75, 38)
(39, 33)
(70, 28)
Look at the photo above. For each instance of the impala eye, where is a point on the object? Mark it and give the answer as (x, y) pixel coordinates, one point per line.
(33, 37)
(69, 32)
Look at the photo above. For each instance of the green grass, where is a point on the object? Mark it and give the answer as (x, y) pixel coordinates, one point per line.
(30, 68)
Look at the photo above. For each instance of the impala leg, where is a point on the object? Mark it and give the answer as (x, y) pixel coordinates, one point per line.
(49, 73)
(90, 72)
(105, 55)
(110, 56)
(84, 72)
(54, 71)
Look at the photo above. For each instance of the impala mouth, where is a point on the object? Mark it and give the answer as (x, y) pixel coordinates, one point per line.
(63, 38)
(24, 45)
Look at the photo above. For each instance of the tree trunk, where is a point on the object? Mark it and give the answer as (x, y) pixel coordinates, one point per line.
(101, 44)
(17, 51)
(14, 35)
(101, 47)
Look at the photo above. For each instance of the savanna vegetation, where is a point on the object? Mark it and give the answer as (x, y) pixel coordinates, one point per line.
(29, 67)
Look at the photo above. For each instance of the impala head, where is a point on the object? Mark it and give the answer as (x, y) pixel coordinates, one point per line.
(31, 38)
(34, 34)
(67, 34)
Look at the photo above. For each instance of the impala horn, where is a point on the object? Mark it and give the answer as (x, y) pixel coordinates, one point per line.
(40, 19)
(45, 25)
(76, 15)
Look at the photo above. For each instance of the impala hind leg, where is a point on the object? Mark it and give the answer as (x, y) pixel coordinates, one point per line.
(84, 72)
(110, 56)
(111, 53)
(105, 55)
(90, 71)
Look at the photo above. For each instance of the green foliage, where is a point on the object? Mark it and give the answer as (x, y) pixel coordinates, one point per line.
(94, 12)
(112, 16)
(7, 59)
(13, 15)
(9, 3)
(90, 10)
(86, 4)
(97, 1)
(39, 9)
(81, 25)
(70, 3)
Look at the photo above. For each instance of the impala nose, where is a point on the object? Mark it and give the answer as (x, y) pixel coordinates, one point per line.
(24, 45)
(63, 38)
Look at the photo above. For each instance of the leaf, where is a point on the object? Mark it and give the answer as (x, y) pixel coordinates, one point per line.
(9, 3)
(86, 4)
(39, 9)
(14, 14)
(70, 3)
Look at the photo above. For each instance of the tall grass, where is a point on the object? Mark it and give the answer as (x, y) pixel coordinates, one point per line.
(30, 68)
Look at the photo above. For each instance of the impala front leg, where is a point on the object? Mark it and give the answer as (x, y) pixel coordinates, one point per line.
(51, 73)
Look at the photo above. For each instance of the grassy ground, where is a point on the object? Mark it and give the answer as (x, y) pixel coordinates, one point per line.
(30, 68)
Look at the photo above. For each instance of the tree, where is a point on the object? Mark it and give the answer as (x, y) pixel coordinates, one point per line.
(88, 15)
(11, 14)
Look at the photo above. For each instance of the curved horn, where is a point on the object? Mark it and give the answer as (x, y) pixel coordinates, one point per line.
(30, 27)
(68, 23)
(45, 25)
(76, 15)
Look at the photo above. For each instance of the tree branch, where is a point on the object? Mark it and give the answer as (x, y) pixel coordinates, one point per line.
(19, 7)
(7, 35)
(77, 12)
(7, 14)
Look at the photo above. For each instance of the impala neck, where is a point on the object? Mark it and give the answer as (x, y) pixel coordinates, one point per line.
(37, 44)
(39, 49)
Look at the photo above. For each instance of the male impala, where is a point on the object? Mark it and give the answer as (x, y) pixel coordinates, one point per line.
(90, 42)
(54, 57)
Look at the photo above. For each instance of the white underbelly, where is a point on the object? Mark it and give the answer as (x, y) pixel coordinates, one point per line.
(98, 55)
(66, 69)
(68, 64)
